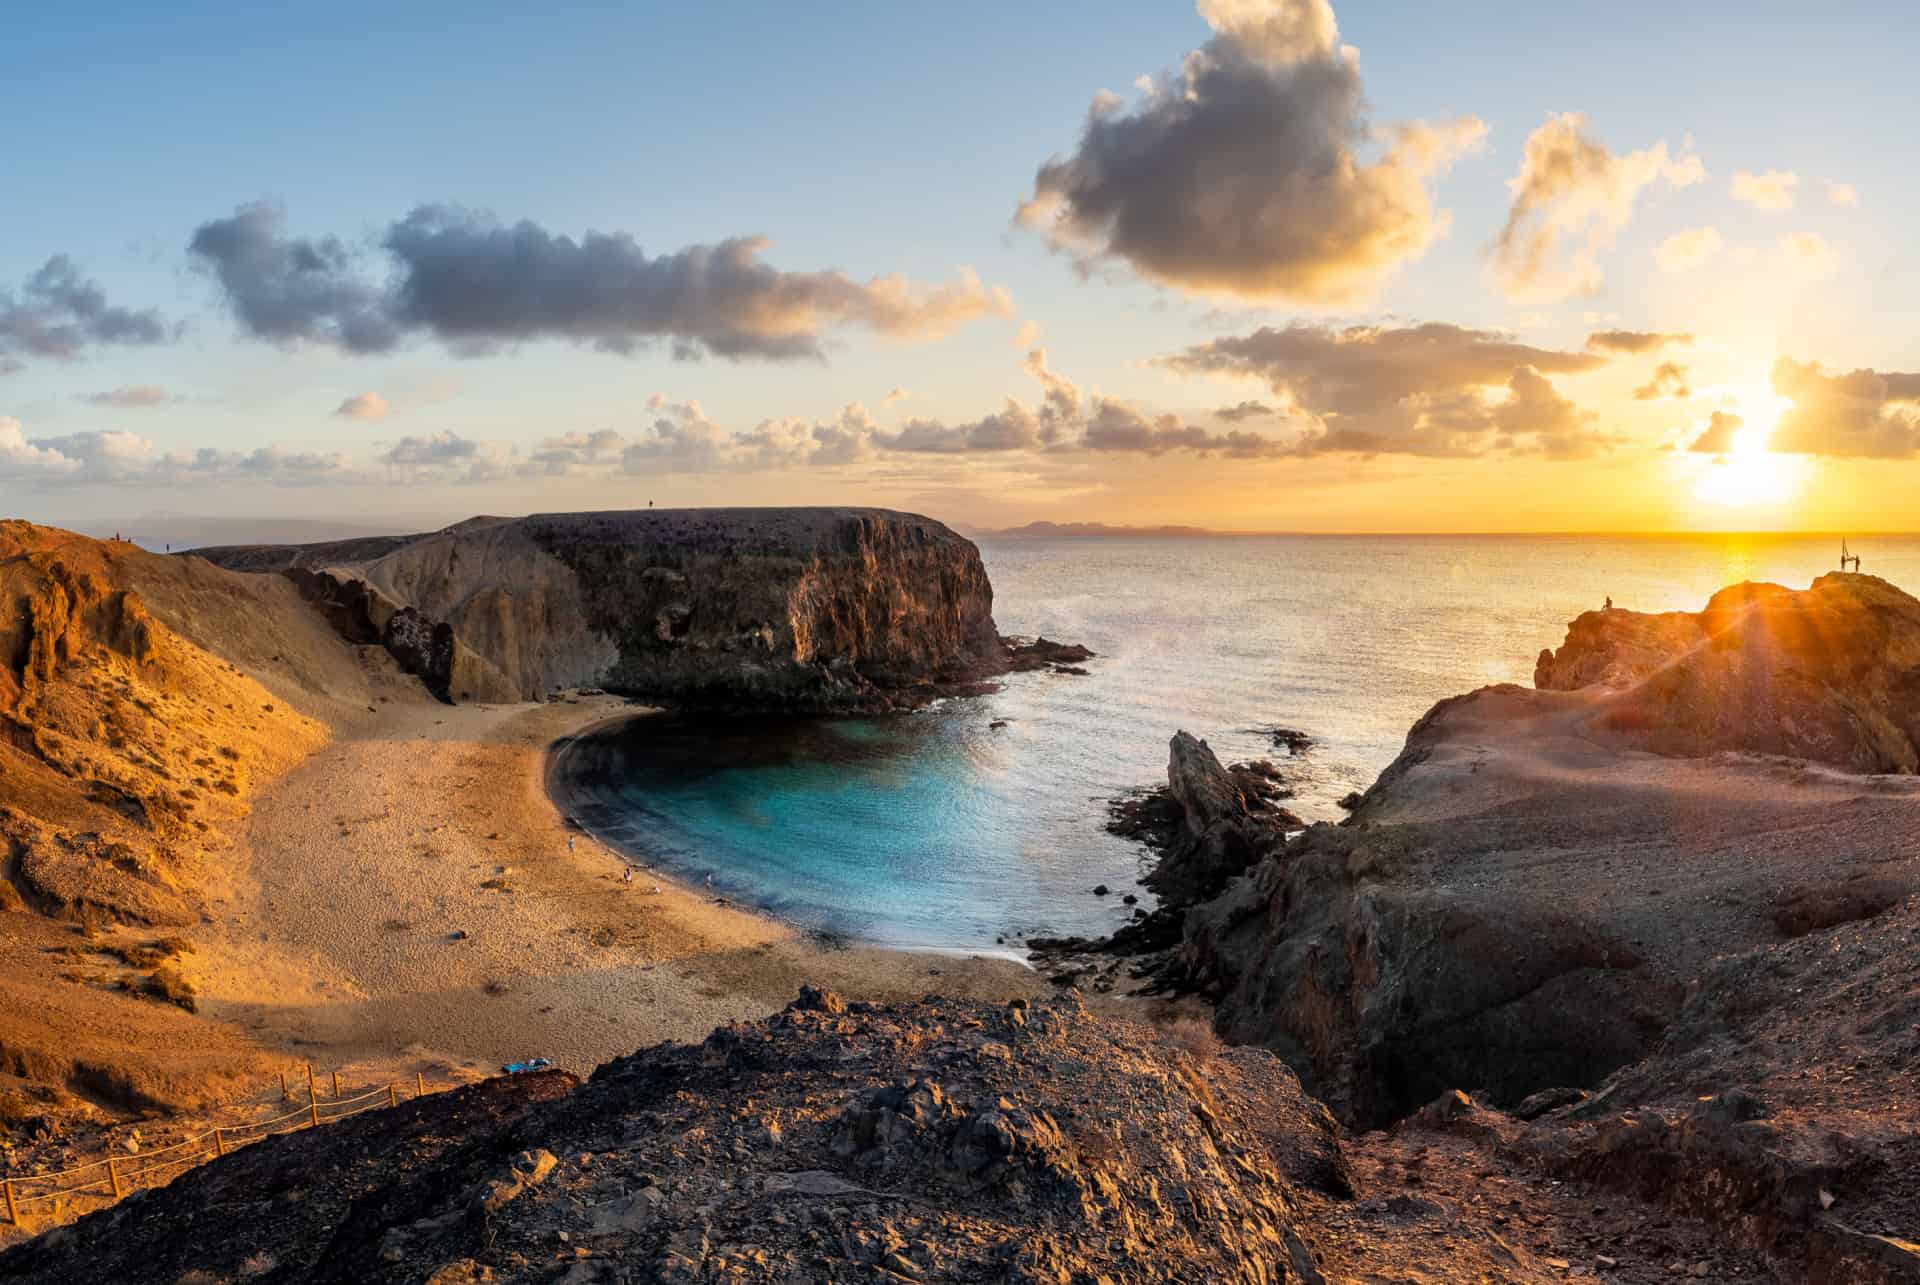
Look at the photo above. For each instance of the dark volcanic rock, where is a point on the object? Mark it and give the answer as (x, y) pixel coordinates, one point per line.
(938, 1141)
(1210, 823)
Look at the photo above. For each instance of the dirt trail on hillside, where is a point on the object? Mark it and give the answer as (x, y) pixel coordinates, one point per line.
(430, 821)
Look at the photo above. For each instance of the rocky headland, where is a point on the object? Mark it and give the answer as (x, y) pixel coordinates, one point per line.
(804, 610)
(1662, 906)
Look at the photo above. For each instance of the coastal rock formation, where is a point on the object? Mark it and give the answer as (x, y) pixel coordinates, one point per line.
(1499, 913)
(1830, 673)
(1222, 821)
(794, 609)
(1531, 907)
(935, 1141)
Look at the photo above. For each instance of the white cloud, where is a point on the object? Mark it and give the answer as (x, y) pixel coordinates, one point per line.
(1571, 199)
(1685, 251)
(1843, 194)
(1808, 255)
(1774, 190)
(364, 406)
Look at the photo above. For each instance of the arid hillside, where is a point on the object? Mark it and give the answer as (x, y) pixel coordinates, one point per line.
(143, 702)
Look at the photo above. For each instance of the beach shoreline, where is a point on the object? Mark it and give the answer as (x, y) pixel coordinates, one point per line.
(411, 882)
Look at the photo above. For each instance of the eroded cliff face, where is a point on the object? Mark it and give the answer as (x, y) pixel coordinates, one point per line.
(797, 609)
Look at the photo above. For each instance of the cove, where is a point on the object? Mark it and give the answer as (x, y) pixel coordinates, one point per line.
(928, 830)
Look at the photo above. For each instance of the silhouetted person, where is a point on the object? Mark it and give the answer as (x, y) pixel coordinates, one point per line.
(1609, 604)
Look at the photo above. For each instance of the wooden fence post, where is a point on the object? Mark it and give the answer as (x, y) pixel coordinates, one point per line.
(393, 1098)
(283, 1086)
(219, 1143)
(13, 1210)
(420, 1083)
(336, 1084)
(313, 1097)
(113, 1174)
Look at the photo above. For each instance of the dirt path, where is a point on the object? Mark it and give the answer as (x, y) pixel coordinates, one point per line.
(368, 862)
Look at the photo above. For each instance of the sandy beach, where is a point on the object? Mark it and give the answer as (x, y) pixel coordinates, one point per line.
(412, 884)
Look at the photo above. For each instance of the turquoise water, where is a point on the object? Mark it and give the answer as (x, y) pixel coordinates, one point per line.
(936, 830)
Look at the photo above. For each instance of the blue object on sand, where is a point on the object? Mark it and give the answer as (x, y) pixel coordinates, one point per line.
(532, 1064)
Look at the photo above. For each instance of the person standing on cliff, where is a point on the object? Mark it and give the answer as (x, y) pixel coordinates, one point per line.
(1609, 603)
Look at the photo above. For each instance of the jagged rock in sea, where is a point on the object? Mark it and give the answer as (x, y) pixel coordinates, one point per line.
(936, 1141)
(798, 609)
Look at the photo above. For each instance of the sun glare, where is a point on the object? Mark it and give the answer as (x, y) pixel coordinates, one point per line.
(1747, 475)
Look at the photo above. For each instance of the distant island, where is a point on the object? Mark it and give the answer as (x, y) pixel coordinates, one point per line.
(1089, 531)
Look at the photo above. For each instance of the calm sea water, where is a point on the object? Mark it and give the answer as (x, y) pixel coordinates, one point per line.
(937, 830)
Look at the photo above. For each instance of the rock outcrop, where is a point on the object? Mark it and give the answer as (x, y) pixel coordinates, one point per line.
(936, 1141)
(792, 609)
(1830, 673)
(1523, 899)
(1223, 820)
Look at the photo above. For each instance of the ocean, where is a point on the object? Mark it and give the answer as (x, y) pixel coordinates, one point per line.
(937, 830)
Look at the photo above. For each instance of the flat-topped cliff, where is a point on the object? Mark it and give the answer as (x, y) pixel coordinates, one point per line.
(803, 608)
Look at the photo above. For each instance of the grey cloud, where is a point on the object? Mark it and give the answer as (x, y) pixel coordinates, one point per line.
(292, 290)
(133, 397)
(57, 313)
(1717, 437)
(1117, 427)
(476, 284)
(1864, 413)
(1240, 173)
(1536, 418)
(1363, 369)
(1418, 390)
(1013, 428)
(1634, 342)
(1669, 380)
(1243, 411)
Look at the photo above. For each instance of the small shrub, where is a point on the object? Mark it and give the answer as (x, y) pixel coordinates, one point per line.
(495, 986)
(166, 983)
(499, 883)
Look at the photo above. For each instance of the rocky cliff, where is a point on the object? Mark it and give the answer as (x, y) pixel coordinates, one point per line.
(802, 609)
(1830, 673)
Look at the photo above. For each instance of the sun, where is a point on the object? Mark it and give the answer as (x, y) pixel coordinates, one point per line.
(1748, 476)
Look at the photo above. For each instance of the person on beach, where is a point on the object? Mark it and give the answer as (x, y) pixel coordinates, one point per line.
(628, 876)
(569, 843)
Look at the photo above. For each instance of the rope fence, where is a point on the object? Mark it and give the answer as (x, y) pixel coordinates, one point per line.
(116, 1175)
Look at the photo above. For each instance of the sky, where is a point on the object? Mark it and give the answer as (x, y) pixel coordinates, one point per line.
(1246, 264)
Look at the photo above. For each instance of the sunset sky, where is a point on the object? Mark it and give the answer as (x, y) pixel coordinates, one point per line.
(1255, 264)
